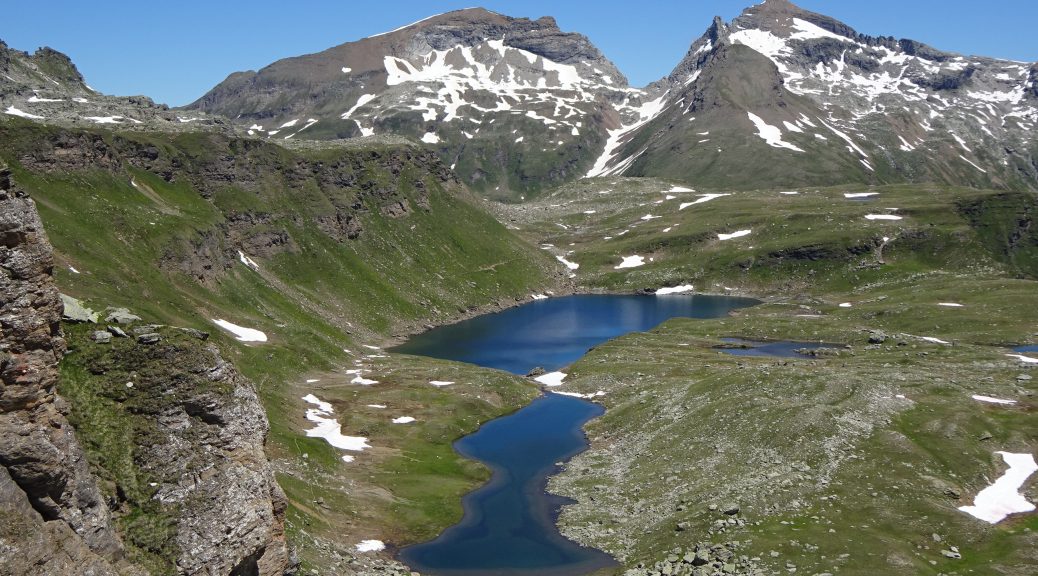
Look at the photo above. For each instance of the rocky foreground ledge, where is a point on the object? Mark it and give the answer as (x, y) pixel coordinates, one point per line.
(163, 470)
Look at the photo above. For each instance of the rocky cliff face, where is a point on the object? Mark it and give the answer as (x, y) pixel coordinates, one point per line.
(164, 471)
(178, 434)
(54, 516)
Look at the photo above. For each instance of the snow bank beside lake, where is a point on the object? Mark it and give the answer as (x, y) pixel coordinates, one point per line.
(551, 378)
(579, 395)
(371, 546)
(675, 290)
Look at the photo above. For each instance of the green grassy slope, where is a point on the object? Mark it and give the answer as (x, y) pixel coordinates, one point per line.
(155, 223)
(849, 463)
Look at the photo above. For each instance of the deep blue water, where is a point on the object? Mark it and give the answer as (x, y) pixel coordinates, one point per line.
(1028, 348)
(554, 332)
(782, 349)
(509, 524)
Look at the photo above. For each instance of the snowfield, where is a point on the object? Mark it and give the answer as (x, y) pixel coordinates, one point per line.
(240, 332)
(327, 427)
(1003, 498)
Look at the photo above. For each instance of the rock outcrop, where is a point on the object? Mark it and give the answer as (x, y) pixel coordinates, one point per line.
(180, 434)
(55, 520)
(176, 478)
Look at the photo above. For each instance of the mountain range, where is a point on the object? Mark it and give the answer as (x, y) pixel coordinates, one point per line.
(198, 304)
(516, 106)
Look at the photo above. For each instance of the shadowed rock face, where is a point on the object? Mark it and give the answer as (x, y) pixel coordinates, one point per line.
(45, 483)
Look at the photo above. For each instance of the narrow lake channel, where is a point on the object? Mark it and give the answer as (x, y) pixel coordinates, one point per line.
(508, 526)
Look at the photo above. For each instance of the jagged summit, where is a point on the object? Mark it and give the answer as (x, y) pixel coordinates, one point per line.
(876, 109)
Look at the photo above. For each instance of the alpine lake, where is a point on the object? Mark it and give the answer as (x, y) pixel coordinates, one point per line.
(509, 524)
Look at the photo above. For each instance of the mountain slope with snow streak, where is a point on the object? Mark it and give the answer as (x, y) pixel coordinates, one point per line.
(513, 105)
(859, 108)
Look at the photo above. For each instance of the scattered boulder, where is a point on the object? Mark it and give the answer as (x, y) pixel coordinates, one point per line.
(117, 332)
(121, 316)
(538, 371)
(101, 336)
(197, 334)
(730, 509)
(877, 337)
(149, 338)
(76, 311)
(146, 329)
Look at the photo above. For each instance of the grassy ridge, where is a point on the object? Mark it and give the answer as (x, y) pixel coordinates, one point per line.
(159, 232)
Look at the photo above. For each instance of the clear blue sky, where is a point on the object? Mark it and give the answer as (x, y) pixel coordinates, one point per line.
(175, 51)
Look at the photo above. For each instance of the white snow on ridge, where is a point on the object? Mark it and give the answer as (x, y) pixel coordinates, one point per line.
(647, 112)
(1003, 498)
(11, 110)
(675, 290)
(738, 234)
(702, 198)
(850, 143)
(859, 194)
(364, 99)
(241, 333)
(328, 428)
(630, 262)
(403, 420)
(570, 265)
(441, 383)
(407, 26)
(991, 399)
(104, 119)
(430, 138)
(882, 217)
(770, 134)
(967, 160)
(241, 255)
